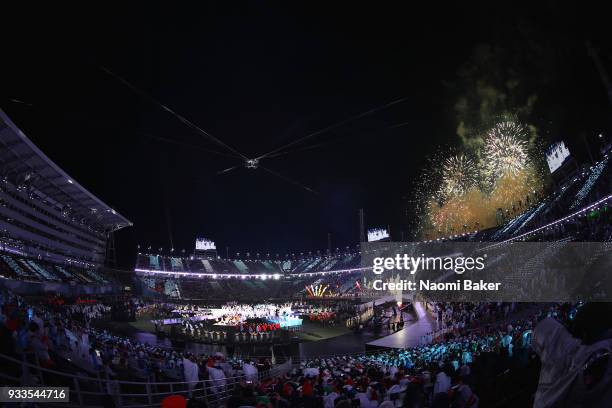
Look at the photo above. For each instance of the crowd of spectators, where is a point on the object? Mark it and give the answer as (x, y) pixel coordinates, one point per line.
(466, 315)
(49, 334)
(447, 373)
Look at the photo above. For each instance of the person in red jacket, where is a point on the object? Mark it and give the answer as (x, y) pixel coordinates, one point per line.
(307, 388)
(287, 390)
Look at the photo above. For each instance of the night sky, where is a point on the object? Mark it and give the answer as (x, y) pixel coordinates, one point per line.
(258, 75)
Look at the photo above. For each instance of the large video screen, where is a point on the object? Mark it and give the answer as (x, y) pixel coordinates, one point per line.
(556, 155)
(377, 234)
(203, 244)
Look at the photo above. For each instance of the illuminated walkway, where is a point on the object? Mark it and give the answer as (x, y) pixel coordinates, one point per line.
(412, 332)
(351, 343)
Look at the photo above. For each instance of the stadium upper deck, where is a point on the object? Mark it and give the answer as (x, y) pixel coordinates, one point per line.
(347, 261)
(44, 213)
(588, 191)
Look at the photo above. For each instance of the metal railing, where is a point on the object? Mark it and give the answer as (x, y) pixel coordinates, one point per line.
(96, 391)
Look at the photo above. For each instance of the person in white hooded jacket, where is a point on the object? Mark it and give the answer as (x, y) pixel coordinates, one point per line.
(250, 371)
(218, 378)
(576, 370)
(443, 383)
(191, 372)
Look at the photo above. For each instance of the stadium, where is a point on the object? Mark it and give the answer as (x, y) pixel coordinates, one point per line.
(491, 288)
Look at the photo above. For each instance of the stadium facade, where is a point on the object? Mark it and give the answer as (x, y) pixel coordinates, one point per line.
(49, 223)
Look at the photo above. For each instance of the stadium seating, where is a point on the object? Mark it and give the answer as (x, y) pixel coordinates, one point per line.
(482, 348)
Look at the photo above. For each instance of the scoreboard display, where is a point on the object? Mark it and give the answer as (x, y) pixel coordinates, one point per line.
(203, 244)
(556, 155)
(377, 234)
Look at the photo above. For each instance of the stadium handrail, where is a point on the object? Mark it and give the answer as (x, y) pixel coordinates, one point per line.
(110, 387)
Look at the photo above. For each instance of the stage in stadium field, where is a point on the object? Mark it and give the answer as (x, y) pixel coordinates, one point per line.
(335, 326)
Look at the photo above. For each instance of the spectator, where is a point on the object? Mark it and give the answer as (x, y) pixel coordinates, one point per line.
(191, 372)
(576, 370)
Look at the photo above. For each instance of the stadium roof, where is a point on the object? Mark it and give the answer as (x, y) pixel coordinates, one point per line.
(25, 165)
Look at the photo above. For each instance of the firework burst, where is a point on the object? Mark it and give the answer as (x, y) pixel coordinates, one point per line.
(459, 174)
(461, 194)
(505, 150)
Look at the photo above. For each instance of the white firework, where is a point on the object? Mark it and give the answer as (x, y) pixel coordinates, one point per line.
(505, 150)
(459, 174)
